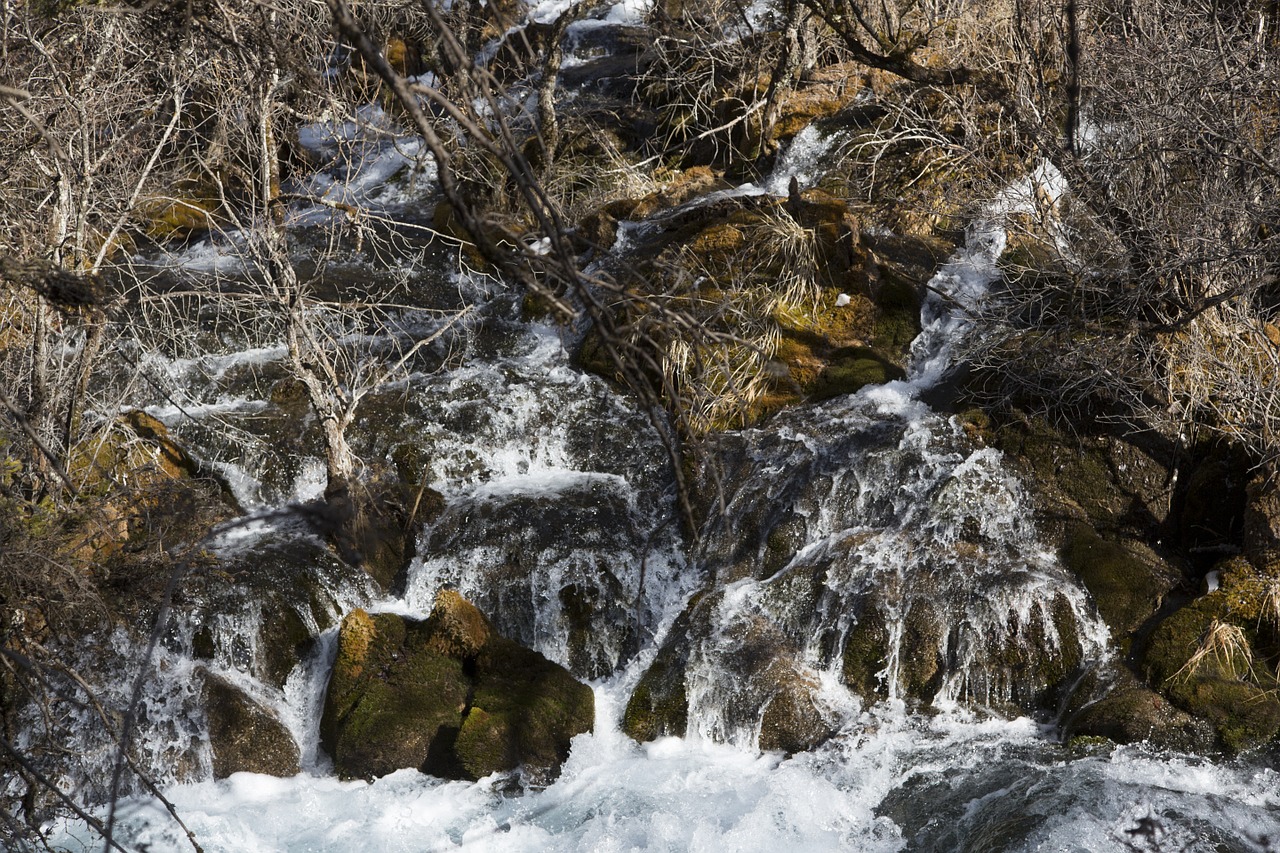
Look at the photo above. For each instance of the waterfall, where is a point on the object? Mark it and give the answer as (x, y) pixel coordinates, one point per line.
(869, 640)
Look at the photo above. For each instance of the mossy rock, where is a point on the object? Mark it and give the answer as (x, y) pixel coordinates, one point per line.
(1208, 664)
(456, 628)
(1120, 488)
(821, 96)
(1252, 598)
(486, 744)
(1028, 667)
(1177, 638)
(922, 665)
(448, 696)
(178, 217)
(866, 655)
(245, 736)
(1126, 589)
(1244, 715)
(1132, 712)
(790, 721)
(536, 705)
(659, 705)
(391, 701)
(850, 369)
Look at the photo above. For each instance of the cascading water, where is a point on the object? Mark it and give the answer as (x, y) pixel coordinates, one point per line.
(873, 589)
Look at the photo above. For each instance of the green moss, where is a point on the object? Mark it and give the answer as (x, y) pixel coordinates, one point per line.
(1222, 686)
(484, 744)
(897, 319)
(659, 705)
(850, 369)
(1119, 582)
(1244, 715)
(866, 655)
(657, 708)
(1177, 638)
(1090, 746)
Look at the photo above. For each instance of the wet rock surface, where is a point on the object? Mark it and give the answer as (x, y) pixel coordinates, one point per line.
(1150, 534)
(448, 696)
(244, 735)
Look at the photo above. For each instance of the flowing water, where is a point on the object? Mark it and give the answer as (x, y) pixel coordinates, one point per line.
(868, 504)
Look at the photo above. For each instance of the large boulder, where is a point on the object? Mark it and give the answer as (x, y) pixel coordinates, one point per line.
(1210, 657)
(272, 595)
(1128, 711)
(244, 735)
(448, 696)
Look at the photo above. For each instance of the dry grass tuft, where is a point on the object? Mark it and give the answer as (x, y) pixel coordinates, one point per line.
(1223, 646)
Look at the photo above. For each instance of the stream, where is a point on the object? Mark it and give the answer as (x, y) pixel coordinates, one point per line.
(551, 480)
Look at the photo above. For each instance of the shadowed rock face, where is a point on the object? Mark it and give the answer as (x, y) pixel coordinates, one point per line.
(245, 736)
(448, 696)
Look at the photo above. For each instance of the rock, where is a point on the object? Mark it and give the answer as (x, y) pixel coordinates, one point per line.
(534, 709)
(659, 705)
(1204, 660)
(527, 546)
(381, 532)
(866, 654)
(849, 369)
(790, 721)
(172, 460)
(1213, 501)
(448, 696)
(1127, 590)
(1261, 534)
(1131, 712)
(1112, 483)
(245, 736)
(752, 674)
(262, 611)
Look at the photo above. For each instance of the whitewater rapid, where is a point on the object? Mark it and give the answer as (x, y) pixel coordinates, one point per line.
(891, 779)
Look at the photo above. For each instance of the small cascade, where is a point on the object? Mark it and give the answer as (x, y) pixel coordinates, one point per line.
(858, 653)
(884, 551)
(557, 517)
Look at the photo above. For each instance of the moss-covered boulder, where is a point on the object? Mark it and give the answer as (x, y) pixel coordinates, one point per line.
(268, 601)
(1131, 712)
(447, 696)
(1127, 589)
(790, 720)
(849, 369)
(1209, 660)
(866, 654)
(245, 736)
(659, 704)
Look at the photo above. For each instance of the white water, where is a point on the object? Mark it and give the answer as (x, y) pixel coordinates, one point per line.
(505, 434)
(965, 775)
